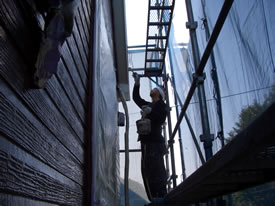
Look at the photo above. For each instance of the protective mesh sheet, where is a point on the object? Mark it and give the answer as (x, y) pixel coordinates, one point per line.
(244, 57)
(105, 145)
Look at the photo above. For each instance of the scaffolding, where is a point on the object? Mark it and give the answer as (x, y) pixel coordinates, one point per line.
(233, 167)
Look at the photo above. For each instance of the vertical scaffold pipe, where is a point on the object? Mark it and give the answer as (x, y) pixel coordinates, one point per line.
(192, 25)
(166, 156)
(188, 124)
(215, 79)
(170, 141)
(177, 112)
(126, 139)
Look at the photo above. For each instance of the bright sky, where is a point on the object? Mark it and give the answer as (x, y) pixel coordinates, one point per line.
(136, 19)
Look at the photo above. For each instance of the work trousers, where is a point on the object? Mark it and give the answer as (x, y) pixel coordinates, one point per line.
(153, 169)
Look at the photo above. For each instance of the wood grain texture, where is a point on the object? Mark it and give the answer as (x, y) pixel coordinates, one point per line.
(62, 103)
(11, 147)
(85, 7)
(22, 179)
(80, 46)
(79, 54)
(10, 13)
(26, 131)
(12, 69)
(25, 40)
(79, 26)
(80, 70)
(85, 16)
(89, 7)
(67, 84)
(47, 125)
(83, 23)
(11, 200)
(71, 69)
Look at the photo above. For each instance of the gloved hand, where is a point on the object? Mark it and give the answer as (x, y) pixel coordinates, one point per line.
(136, 78)
(146, 110)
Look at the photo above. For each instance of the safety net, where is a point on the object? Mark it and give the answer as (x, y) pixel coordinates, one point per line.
(240, 73)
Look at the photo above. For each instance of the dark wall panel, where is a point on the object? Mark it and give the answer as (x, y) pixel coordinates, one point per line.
(43, 132)
(22, 179)
(37, 100)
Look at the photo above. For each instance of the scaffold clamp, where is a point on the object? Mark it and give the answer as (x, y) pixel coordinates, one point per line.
(199, 78)
(191, 25)
(204, 138)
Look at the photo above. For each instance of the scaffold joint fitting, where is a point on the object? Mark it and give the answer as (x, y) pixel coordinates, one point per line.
(199, 78)
(171, 141)
(205, 138)
(191, 25)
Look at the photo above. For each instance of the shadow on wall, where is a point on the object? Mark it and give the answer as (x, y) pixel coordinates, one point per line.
(137, 195)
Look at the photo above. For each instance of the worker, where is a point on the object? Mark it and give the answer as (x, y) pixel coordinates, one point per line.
(153, 146)
(58, 26)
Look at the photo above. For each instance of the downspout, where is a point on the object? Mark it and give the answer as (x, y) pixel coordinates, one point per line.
(126, 139)
(123, 101)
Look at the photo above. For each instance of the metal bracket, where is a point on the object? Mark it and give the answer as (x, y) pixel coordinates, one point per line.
(171, 141)
(121, 119)
(191, 25)
(199, 79)
(204, 138)
(174, 176)
(165, 77)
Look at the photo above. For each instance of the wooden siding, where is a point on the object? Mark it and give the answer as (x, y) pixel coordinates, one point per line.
(43, 132)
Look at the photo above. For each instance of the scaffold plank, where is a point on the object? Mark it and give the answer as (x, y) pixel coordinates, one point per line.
(248, 160)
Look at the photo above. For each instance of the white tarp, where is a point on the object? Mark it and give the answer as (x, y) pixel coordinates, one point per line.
(105, 144)
(244, 55)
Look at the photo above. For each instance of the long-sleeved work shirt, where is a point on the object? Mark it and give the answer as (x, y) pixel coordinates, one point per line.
(157, 117)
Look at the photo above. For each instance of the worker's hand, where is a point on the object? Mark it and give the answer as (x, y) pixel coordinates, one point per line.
(146, 110)
(136, 78)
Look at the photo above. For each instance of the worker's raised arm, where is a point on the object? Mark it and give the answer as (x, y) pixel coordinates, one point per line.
(136, 96)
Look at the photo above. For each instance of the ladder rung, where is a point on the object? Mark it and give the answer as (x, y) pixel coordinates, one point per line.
(160, 7)
(158, 23)
(153, 72)
(157, 37)
(154, 60)
(143, 69)
(152, 69)
(155, 50)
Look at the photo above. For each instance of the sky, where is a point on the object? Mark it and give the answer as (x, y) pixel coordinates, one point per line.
(136, 20)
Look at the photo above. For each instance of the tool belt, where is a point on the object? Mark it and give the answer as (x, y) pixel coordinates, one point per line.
(143, 126)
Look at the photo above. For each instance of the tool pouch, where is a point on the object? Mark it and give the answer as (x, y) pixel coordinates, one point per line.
(143, 126)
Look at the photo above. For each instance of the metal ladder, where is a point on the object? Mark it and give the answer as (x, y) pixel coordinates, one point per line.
(160, 13)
